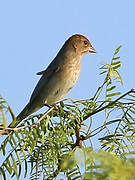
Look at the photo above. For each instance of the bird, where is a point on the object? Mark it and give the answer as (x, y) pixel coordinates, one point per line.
(59, 77)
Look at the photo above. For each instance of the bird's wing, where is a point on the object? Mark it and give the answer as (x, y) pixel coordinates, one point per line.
(46, 74)
(41, 72)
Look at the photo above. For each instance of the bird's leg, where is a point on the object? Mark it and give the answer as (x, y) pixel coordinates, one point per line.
(56, 107)
(49, 106)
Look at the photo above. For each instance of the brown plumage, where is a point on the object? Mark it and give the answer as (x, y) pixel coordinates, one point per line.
(59, 77)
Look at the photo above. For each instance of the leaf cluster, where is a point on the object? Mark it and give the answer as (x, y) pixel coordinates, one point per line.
(64, 142)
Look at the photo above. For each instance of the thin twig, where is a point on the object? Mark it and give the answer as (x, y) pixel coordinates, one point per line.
(8, 130)
(99, 129)
(110, 104)
(99, 90)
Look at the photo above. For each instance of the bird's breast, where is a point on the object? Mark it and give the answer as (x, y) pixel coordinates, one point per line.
(71, 71)
(63, 81)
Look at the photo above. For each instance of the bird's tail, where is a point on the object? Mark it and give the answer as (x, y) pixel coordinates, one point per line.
(28, 110)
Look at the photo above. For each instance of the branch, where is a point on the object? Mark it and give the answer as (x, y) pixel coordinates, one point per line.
(8, 130)
(99, 91)
(110, 104)
(79, 138)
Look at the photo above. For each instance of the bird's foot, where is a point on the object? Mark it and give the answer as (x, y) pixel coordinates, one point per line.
(56, 107)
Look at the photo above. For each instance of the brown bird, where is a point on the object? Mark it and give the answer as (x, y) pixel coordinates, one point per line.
(59, 77)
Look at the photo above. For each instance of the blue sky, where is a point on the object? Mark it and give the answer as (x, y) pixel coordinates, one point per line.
(32, 32)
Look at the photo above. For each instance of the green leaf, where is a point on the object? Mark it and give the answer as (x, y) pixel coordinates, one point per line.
(26, 168)
(115, 63)
(14, 165)
(42, 137)
(62, 104)
(18, 156)
(114, 74)
(34, 133)
(108, 99)
(13, 140)
(117, 50)
(3, 149)
(8, 166)
(102, 72)
(116, 67)
(133, 111)
(19, 173)
(79, 156)
(113, 94)
(3, 175)
(115, 58)
(111, 88)
(22, 150)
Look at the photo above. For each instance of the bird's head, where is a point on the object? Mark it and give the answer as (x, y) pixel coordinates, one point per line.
(80, 44)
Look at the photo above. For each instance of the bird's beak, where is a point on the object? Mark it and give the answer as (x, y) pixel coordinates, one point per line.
(92, 50)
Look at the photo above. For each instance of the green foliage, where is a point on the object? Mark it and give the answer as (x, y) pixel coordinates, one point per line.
(4, 109)
(64, 142)
(106, 165)
(112, 74)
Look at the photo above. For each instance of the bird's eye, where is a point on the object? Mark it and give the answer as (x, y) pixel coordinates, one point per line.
(85, 42)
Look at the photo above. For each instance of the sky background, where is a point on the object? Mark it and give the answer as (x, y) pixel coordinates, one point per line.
(32, 32)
